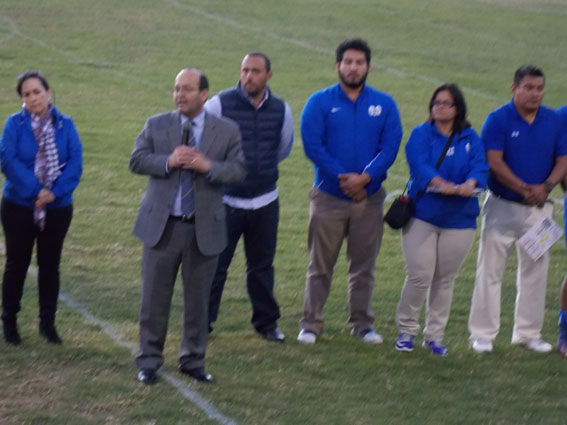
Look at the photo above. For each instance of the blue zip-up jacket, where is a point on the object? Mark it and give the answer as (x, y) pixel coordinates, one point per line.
(18, 149)
(465, 159)
(342, 136)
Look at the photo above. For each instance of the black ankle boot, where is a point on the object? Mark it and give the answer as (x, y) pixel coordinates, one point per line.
(11, 334)
(49, 332)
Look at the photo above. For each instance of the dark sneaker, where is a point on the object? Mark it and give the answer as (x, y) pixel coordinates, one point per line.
(11, 334)
(50, 333)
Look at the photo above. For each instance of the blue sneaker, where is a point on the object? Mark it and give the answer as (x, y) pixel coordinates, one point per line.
(404, 342)
(435, 347)
(562, 341)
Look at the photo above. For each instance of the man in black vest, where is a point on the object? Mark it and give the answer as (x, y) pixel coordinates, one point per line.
(252, 207)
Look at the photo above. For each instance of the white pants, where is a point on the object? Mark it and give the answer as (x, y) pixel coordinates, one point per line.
(503, 223)
(433, 257)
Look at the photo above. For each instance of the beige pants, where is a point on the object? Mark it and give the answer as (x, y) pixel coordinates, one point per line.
(433, 257)
(331, 220)
(503, 223)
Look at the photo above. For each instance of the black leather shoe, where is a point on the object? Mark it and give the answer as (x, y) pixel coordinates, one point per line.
(11, 334)
(274, 335)
(147, 376)
(49, 333)
(198, 373)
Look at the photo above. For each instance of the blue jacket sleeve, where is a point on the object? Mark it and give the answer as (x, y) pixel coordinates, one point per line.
(418, 157)
(478, 165)
(73, 167)
(21, 175)
(312, 125)
(390, 144)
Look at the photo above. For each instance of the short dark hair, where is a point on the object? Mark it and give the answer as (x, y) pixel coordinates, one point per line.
(32, 73)
(203, 80)
(461, 121)
(354, 44)
(527, 70)
(263, 56)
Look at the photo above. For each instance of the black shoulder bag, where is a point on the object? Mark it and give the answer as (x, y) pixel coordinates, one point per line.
(402, 208)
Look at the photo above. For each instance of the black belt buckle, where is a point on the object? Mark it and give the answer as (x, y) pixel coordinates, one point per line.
(184, 218)
(187, 218)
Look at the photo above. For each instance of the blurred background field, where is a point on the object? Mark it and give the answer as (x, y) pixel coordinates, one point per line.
(111, 64)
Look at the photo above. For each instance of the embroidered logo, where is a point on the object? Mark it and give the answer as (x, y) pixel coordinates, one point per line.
(515, 134)
(451, 151)
(335, 109)
(468, 147)
(374, 110)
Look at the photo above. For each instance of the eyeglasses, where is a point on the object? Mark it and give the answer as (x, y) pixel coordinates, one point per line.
(443, 103)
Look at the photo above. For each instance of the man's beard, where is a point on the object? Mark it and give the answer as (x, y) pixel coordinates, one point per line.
(353, 84)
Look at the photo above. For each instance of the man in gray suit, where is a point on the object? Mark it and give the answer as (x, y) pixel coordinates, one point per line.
(188, 156)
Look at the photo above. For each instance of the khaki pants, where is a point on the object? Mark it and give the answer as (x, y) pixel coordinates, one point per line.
(331, 220)
(433, 257)
(503, 223)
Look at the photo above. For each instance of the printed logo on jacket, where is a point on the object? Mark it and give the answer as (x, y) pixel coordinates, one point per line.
(374, 110)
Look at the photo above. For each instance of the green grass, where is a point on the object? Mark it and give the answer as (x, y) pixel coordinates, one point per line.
(112, 64)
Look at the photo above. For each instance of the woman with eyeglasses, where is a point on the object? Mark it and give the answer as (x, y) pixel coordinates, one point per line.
(41, 157)
(447, 167)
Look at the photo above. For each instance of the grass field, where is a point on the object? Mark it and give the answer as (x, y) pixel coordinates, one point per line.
(112, 64)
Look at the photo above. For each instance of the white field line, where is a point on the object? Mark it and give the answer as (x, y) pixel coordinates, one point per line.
(13, 31)
(72, 58)
(181, 386)
(313, 47)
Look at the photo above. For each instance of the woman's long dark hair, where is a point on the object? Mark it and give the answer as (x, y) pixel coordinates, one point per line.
(461, 121)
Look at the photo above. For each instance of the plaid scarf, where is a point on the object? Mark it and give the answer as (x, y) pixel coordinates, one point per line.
(46, 167)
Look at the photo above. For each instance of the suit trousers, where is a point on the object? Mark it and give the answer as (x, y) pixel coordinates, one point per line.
(331, 220)
(433, 256)
(503, 223)
(160, 264)
(259, 229)
(20, 234)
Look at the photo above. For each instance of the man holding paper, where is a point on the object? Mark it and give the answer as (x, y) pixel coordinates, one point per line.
(527, 154)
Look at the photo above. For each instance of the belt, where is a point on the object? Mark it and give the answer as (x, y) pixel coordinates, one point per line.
(521, 202)
(183, 218)
(509, 199)
(517, 201)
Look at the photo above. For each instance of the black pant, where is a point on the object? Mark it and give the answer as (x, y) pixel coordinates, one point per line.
(260, 230)
(20, 233)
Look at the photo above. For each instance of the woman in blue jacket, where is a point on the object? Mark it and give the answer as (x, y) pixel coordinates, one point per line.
(41, 157)
(437, 239)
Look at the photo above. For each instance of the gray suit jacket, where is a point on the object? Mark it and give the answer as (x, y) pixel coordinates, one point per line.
(221, 144)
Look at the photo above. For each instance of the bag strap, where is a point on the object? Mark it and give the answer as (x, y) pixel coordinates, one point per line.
(445, 149)
(406, 188)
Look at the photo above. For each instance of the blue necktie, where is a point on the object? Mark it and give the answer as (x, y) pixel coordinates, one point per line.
(186, 177)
